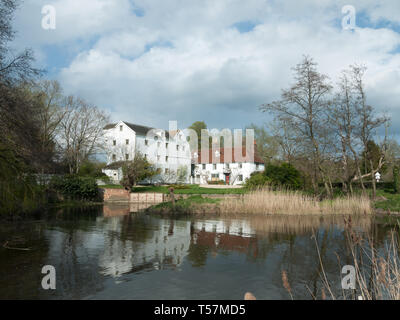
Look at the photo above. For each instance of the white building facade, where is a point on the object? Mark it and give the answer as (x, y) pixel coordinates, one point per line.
(168, 151)
(231, 172)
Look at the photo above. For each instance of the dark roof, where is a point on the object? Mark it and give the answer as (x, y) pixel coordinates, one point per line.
(139, 129)
(115, 165)
(221, 158)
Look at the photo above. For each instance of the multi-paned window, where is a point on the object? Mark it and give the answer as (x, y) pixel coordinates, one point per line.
(214, 166)
(127, 156)
(114, 157)
(114, 142)
(240, 177)
(127, 141)
(204, 166)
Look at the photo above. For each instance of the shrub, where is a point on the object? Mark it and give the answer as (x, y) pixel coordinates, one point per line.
(75, 188)
(256, 180)
(284, 175)
(91, 169)
(396, 179)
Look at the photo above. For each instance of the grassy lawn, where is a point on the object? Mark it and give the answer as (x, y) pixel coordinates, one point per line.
(187, 203)
(189, 189)
(111, 186)
(392, 203)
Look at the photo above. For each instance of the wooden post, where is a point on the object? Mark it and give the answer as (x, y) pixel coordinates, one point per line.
(172, 196)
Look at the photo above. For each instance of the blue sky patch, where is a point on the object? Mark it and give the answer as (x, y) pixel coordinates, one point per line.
(245, 26)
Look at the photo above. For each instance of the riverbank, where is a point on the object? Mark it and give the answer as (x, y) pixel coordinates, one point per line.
(266, 201)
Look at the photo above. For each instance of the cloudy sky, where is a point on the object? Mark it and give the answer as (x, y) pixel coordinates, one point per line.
(150, 61)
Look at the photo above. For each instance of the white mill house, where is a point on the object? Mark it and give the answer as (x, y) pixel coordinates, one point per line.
(168, 151)
(215, 166)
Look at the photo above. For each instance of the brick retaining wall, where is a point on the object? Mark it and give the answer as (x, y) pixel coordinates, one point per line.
(122, 195)
(110, 195)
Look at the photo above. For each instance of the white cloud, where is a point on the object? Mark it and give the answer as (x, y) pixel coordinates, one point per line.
(183, 60)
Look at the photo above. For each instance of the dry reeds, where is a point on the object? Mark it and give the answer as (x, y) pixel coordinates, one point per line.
(377, 271)
(267, 201)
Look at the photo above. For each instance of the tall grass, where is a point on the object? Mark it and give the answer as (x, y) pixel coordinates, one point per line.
(377, 271)
(268, 201)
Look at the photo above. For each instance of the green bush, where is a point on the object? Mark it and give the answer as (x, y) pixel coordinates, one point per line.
(396, 179)
(92, 169)
(256, 180)
(284, 175)
(75, 187)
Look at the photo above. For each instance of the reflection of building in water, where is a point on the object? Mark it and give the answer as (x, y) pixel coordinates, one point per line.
(115, 210)
(233, 227)
(166, 244)
(121, 209)
(234, 235)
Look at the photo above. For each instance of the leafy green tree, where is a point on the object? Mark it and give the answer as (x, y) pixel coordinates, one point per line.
(182, 173)
(372, 154)
(256, 180)
(285, 175)
(137, 170)
(396, 178)
(197, 127)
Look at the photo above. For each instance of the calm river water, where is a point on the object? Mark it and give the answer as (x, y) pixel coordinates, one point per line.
(109, 253)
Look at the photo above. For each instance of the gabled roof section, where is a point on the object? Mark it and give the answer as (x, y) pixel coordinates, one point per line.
(116, 165)
(139, 129)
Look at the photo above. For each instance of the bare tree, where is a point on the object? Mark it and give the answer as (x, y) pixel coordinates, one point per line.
(303, 106)
(367, 124)
(81, 131)
(13, 67)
